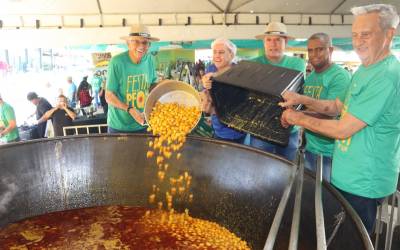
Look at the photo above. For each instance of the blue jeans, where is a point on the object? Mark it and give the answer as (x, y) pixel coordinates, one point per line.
(111, 130)
(365, 207)
(96, 98)
(288, 152)
(238, 140)
(311, 164)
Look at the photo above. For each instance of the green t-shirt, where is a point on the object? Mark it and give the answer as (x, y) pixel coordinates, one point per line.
(289, 62)
(96, 82)
(6, 115)
(367, 164)
(130, 82)
(328, 85)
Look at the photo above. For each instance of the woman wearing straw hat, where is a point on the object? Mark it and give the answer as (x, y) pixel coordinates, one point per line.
(130, 75)
(275, 40)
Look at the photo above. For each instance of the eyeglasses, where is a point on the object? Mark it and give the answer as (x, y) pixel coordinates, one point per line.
(139, 42)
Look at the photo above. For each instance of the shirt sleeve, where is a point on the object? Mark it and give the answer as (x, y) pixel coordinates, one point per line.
(369, 102)
(43, 107)
(337, 87)
(112, 76)
(211, 69)
(9, 115)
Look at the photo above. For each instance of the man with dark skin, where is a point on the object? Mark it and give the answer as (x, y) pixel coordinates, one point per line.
(327, 81)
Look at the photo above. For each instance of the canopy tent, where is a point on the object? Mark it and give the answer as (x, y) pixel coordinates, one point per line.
(340, 43)
(50, 23)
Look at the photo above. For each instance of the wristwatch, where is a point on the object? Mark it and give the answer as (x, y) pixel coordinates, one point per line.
(128, 108)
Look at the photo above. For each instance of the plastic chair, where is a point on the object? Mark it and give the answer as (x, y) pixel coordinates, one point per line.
(390, 215)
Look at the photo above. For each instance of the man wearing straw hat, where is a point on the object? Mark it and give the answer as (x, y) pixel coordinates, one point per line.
(130, 75)
(275, 40)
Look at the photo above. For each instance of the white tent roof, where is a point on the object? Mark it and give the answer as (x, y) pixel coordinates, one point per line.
(71, 22)
(76, 7)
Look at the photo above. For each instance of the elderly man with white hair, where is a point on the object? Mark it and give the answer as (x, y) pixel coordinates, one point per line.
(367, 149)
(130, 75)
(224, 51)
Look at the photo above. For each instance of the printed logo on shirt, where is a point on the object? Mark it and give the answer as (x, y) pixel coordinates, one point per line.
(137, 90)
(313, 91)
(344, 145)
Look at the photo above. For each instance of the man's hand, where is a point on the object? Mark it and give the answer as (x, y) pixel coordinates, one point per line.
(139, 117)
(291, 99)
(206, 80)
(290, 117)
(62, 106)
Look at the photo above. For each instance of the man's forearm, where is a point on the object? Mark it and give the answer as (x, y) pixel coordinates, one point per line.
(46, 115)
(9, 128)
(326, 107)
(328, 128)
(43, 118)
(71, 114)
(113, 100)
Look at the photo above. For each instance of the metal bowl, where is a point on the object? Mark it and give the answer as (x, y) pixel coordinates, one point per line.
(171, 91)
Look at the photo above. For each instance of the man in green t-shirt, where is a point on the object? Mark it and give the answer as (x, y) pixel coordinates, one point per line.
(130, 75)
(327, 81)
(275, 40)
(8, 123)
(366, 154)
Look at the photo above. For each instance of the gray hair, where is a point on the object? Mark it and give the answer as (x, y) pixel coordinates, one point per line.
(228, 43)
(323, 37)
(387, 14)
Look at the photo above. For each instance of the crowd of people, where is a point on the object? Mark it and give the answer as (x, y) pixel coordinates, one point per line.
(347, 121)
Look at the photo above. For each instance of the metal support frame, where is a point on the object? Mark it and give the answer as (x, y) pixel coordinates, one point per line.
(389, 223)
(298, 176)
(294, 231)
(87, 127)
(273, 232)
(388, 240)
(319, 210)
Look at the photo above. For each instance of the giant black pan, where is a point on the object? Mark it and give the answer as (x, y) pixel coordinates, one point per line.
(234, 185)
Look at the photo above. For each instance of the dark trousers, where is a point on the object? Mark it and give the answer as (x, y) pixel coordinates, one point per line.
(311, 164)
(104, 103)
(365, 207)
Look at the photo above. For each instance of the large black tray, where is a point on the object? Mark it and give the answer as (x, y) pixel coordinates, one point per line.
(246, 98)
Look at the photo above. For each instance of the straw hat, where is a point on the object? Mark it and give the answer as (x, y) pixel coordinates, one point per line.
(275, 29)
(139, 30)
